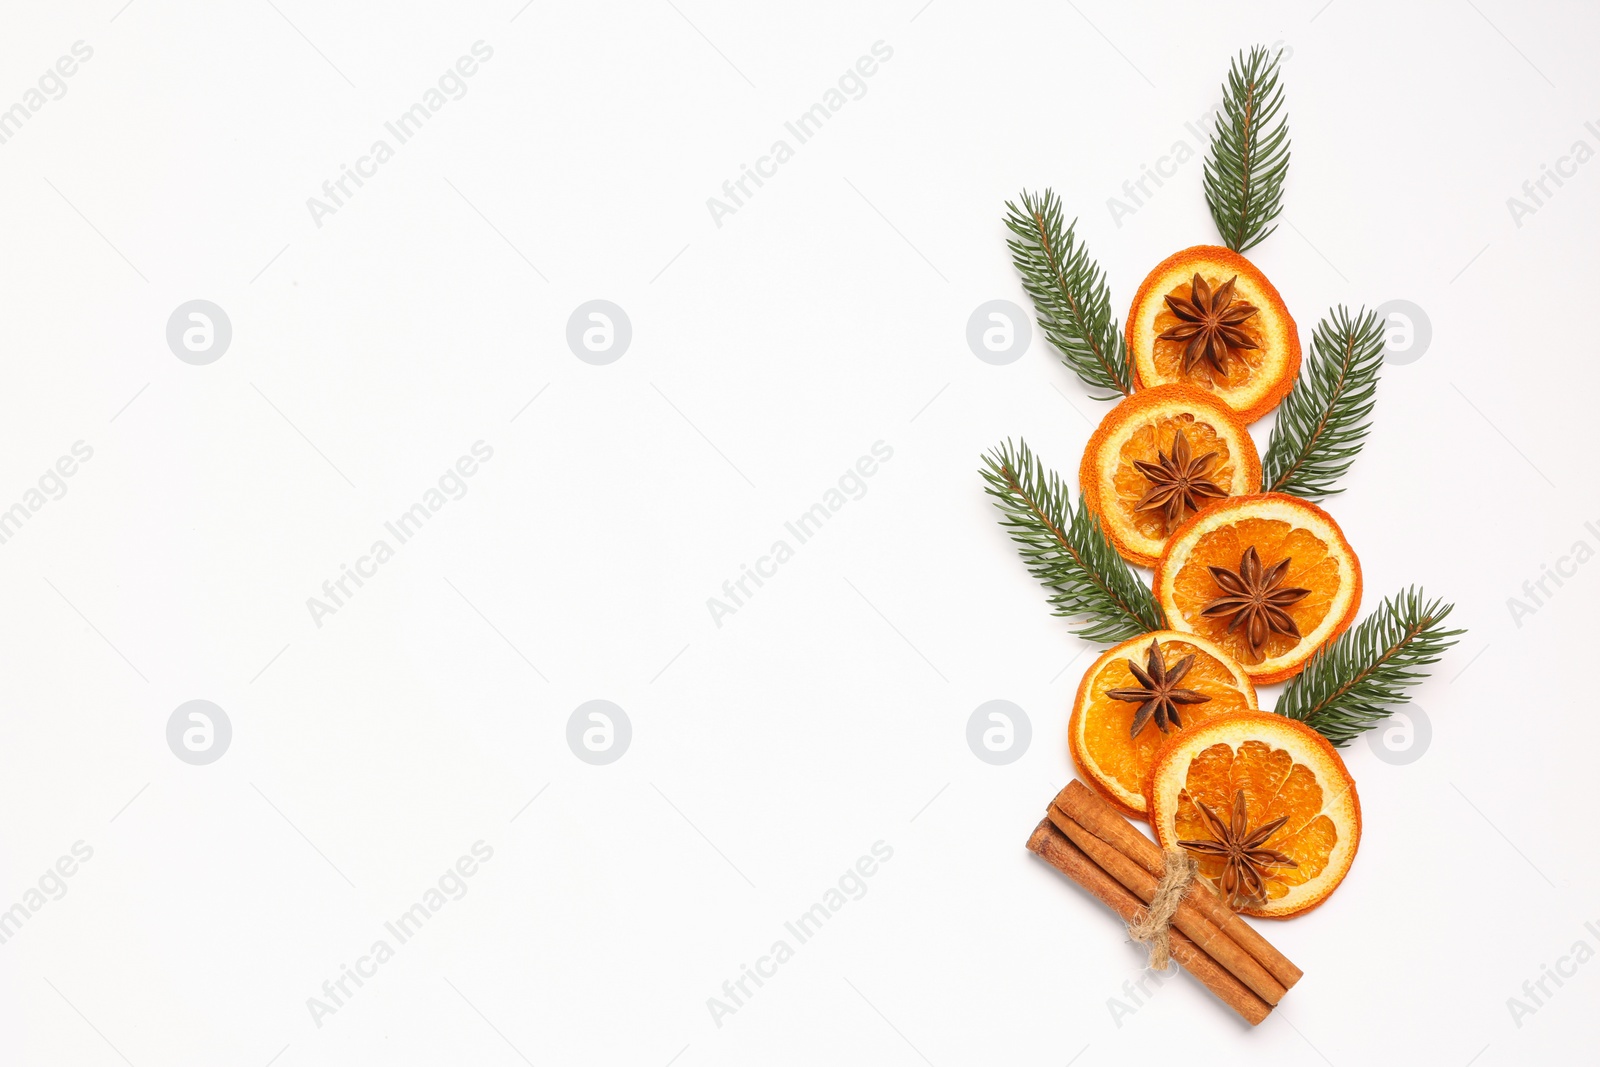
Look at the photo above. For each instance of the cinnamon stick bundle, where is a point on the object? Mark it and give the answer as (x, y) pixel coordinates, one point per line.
(1090, 842)
(1187, 919)
(1064, 856)
(1090, 810)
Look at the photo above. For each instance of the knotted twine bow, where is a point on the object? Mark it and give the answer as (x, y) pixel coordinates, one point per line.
(1153, 928)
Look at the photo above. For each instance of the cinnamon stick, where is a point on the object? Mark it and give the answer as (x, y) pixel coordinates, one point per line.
(1057, 850)
(1091, 811)
(1217, 944)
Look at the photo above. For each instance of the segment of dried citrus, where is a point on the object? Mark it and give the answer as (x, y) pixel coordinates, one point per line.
(1264, 804)
(1206, 317)
(1269, 578)
(1185, 681)
(1159, 456)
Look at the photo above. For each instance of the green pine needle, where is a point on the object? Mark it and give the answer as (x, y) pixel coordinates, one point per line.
(1323, 421)
(1358, 680)
(1249, 152)
(1067, 550)
(1069, 293)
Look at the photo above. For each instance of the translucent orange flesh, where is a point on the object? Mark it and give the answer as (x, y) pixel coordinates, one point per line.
(1156, 435)
(1312, 566)
(1274, 786)
(1106, 721)
(1244, 364)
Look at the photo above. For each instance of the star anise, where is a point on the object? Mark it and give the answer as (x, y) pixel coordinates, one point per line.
(1177, 482)
(1242, 882)
(1255, 600)
(1159, 696)
(1211, 324)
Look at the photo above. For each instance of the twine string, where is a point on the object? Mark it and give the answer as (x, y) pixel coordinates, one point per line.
(1153, 927)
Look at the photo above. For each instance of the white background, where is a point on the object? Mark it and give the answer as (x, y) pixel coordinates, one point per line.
(768, 354)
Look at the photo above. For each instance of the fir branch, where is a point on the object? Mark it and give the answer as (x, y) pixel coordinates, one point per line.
(1069, 292)
(1249, 152)
(1067, 550)
(1323, 421)
(1359, 679)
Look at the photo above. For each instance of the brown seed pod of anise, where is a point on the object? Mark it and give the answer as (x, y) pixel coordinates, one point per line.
(1211, 324)
(1177, 482)
(1158, 696)
(1255, 599)
(1243, 883)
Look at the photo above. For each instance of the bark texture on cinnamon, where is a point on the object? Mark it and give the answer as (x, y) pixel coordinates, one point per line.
(1088, 809)
(1059, 851)
(1188, 918)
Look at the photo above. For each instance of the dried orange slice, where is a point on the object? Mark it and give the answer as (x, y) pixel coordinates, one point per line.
(1269, 578)
(1159, 456)
(1114, 757)
(1229, 335)
(1271, 786)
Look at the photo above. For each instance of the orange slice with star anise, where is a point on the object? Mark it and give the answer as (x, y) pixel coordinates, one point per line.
(1264, 804)
(1138, 694)
(1270, 578)
(1158, 457)
(1207, 318)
